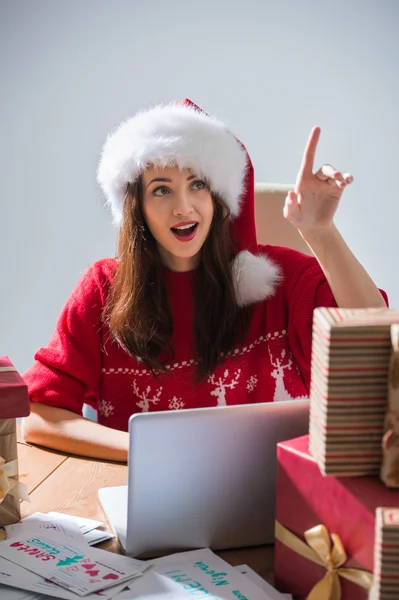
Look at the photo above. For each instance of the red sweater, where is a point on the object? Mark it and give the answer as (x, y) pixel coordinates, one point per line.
(82, 365)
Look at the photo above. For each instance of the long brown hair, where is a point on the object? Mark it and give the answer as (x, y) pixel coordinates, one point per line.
(137, 308)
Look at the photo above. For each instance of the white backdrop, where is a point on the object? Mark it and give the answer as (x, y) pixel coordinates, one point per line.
(70, 70)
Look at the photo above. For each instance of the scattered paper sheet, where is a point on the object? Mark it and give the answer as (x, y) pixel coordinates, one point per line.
(60, 538)
(21, 579)
(56, 521)
(32, 524)
(7, 593)
(188, 574)
(96, 536)
(70, 564)
(264, 585)
(15, 576)
(85, 524)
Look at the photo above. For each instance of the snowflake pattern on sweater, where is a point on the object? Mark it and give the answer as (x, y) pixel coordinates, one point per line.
(82, 364)
(106, 408)
(252, 383)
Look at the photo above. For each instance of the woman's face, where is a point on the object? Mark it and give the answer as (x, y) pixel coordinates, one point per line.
(178, 209)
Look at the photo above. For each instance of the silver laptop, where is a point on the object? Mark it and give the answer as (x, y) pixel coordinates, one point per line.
(202, 477)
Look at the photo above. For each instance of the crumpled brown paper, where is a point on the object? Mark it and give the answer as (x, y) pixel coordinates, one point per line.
(390, 442)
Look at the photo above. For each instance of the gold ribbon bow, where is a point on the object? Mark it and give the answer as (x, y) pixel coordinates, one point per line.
(11, 486)
(318, 549)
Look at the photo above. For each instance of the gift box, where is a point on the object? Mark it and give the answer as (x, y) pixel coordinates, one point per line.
(386, 555)
(14, 402)
(325, 527)
(351, 351)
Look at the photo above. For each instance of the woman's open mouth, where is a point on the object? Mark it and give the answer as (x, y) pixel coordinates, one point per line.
(185, 232)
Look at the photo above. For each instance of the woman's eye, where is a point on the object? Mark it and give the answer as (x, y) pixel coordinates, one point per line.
(161, 191)
(198, 185)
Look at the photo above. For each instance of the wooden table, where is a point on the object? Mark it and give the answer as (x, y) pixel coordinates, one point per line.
(69, 484)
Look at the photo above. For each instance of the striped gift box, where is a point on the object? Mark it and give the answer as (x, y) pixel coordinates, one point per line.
(386, 555)
(348, 393)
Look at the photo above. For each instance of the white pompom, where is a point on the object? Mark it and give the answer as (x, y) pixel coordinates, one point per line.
(255, 277)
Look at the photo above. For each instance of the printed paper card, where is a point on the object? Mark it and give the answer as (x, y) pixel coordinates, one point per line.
(38, 524)
(14, 594)
(71, 565)
(96, 536)
(192, 574)
(21, 579)
(85, 524)
(53, 520)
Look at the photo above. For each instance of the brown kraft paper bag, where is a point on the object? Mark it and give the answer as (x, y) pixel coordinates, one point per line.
(390, 442)
(10, 506)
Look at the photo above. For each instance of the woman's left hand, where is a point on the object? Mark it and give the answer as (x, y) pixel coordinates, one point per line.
(312, 206)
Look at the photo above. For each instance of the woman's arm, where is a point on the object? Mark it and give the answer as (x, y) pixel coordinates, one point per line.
(66, 431)
(311, 209)
(349, 281)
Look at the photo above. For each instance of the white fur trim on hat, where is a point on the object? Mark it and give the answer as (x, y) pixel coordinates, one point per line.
(172, 135)
(255, 277)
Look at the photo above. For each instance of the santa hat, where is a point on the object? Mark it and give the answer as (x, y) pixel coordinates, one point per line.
(185, 136)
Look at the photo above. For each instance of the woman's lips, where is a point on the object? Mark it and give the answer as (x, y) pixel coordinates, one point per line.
(186, 234)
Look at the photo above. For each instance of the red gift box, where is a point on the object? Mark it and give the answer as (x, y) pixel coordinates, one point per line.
(344, 505)
(14, 400)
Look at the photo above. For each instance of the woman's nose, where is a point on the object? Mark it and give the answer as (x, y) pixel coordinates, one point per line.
(182, 204)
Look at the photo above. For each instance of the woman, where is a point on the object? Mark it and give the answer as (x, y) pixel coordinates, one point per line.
(192, 313)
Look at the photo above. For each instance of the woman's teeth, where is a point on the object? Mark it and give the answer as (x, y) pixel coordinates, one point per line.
(185, 230)
(185, 227)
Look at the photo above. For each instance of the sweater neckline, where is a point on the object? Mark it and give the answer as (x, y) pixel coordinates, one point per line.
(179, 277)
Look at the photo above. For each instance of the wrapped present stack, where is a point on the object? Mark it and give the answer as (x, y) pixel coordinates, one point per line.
(14, 403)
(329, 488)
(325, 527)
(386, 555)
(350, 358)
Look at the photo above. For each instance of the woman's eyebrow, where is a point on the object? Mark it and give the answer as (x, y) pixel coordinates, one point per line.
(159, 179)
(164, 179)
